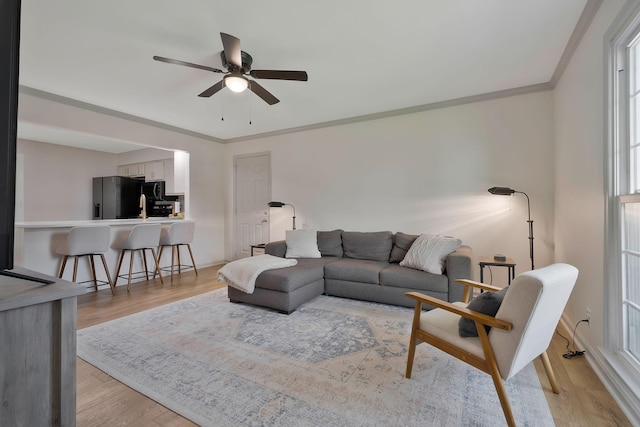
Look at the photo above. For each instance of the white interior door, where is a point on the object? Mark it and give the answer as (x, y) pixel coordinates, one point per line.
(253, 181)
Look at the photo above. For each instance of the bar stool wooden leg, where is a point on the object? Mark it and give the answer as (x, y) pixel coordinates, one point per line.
(115, 280)
(144, 256)
(193, 262)
(179, 261)
(106, 270)
(93, 272)
(64, 263)
(157, 267)
(173, 262)
(160, 249)
(131, 252)
(75, 268)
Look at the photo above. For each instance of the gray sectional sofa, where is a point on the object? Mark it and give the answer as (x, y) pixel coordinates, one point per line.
(357, 265)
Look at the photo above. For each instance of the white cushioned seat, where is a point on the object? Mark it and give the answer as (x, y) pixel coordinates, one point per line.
(86, 241)
(178, 234)
(141, 238)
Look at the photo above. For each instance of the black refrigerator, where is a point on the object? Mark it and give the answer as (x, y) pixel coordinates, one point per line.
(116, 197)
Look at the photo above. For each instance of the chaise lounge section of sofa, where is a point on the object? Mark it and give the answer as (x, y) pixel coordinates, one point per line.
(358, 265)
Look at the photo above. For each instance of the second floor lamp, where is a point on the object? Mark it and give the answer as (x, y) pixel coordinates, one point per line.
(279, 205)
(505, 191)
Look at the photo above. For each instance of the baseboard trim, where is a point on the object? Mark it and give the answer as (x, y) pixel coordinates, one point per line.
(622, 390)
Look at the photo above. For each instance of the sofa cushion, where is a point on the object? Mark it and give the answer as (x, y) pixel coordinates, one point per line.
(287, 279)
(487, 303)
(401, 244)
(404, 277)
(330, 243)
(375, 246)
(351, 270)
(429, 251)
(302, 243)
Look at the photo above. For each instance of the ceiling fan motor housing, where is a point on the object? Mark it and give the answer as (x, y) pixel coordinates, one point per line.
(247, 60)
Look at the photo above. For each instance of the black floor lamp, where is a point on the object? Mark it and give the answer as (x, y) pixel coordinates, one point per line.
(504, 191)
(279, 205)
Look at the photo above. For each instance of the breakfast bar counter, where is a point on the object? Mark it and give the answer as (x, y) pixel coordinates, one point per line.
(36, 242)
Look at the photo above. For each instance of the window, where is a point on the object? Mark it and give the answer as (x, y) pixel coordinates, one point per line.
(623, 233)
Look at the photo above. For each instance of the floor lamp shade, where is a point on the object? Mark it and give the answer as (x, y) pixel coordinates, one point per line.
(281, 204)
(506, 191)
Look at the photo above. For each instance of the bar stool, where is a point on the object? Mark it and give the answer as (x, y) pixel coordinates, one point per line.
(178, 234)
(141, 238)
(87, 241)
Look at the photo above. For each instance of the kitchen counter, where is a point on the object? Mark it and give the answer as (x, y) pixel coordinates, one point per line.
(110, 222)
(35, 245)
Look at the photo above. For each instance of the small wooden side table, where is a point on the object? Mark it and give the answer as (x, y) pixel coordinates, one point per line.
(490, 261)
(258, 246)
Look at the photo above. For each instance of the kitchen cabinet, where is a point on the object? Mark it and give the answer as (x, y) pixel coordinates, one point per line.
(169, 187)
(135, 169)
(154, 171)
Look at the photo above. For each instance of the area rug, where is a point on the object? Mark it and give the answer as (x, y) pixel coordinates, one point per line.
(333, 362)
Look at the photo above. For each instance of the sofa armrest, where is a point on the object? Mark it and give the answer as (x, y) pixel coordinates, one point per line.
(458, 266)
(277, 248)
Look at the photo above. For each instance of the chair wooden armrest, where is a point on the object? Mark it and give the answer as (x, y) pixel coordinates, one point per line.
(460, 311)
(471, 283)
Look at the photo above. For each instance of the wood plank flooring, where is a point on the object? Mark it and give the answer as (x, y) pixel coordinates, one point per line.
(101, 400)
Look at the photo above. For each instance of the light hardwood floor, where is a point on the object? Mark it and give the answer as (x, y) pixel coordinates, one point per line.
(102, 400)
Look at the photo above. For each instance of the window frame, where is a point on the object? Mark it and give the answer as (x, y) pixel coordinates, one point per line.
(618, 184)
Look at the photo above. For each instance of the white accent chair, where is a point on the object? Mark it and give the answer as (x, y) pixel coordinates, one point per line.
(178, 234)
(141, 238)
(521, 330)
(86, 241)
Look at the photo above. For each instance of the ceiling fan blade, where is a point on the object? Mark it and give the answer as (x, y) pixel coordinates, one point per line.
(213, 89)
(280, 75)
(262, 93)
(232, 49)
(186, 64)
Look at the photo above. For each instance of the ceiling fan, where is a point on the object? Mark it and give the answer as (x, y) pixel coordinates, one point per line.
(238, 65)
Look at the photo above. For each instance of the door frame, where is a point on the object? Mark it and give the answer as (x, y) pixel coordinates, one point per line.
(235, 195)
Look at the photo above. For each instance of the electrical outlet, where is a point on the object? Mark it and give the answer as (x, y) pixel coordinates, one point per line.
(587, 315)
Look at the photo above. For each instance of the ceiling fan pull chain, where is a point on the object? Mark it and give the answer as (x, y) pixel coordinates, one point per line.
(250, 111)
(222, 108)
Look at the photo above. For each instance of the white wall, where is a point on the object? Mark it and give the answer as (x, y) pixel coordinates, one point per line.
(580, 153)
(421, 173)
(58, 180)
(206, 162)
(580, 149)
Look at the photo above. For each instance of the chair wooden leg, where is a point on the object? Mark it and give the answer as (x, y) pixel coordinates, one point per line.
(64, 263)
(492, 368)
(502, 394)
(131, 253)
(106, 270)
(115, 279)
(192, 260)
(549, 370)
(93, 272)
(75, 268)
(157, 267)
(412, 342)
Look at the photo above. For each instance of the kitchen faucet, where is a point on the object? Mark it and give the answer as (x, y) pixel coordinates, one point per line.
(143, 206)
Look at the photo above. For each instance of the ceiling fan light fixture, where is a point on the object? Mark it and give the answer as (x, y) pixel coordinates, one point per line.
(236, 83)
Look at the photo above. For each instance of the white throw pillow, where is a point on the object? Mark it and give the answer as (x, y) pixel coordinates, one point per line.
(302, 243)
(429, 251)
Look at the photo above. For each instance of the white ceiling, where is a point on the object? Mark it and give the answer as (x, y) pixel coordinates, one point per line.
(363, 57)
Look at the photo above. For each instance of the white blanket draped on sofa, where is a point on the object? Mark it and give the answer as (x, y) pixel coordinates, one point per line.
(241, 274)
